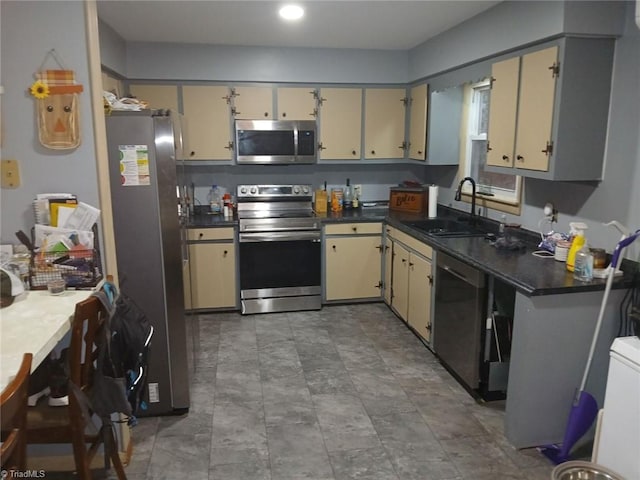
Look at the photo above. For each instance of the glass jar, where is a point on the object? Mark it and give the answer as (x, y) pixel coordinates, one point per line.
(599, 257)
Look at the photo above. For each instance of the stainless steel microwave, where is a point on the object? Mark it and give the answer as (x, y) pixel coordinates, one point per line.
(275, 142)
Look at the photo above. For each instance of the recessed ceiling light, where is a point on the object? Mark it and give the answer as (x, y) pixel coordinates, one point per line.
(291, 12)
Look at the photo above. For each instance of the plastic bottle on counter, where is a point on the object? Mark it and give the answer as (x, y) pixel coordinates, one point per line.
(347, 198)
(577, 233)
(583, 269)
(503, 223)
(215, 201)
(227, 205)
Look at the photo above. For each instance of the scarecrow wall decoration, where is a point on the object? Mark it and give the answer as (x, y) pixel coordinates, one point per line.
(57, 107)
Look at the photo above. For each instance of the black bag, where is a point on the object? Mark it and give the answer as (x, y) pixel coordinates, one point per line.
(123, 350)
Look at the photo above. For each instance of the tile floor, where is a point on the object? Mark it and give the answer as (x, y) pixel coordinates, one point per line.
(347, 392)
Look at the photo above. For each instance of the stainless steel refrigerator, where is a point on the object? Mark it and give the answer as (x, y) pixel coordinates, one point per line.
(144, 149)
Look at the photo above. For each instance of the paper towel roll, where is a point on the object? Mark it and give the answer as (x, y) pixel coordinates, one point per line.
(433, 201)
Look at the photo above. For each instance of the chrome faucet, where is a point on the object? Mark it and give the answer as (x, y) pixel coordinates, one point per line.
(473, 195)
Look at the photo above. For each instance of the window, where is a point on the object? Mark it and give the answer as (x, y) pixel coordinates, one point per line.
(498, 188)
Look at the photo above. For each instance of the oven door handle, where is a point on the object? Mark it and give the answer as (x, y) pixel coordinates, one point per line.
(313, 236)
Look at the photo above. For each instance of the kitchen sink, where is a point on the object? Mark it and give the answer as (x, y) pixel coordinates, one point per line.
(445, 227)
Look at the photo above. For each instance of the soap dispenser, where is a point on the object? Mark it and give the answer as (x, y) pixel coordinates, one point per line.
(577, 233)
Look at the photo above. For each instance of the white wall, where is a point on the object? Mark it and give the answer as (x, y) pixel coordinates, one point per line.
(28, 31)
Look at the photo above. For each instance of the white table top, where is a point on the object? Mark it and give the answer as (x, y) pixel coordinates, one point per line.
(34, 324)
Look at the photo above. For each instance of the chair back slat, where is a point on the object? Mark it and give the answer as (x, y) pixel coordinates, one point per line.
(13, 418)
(88, 320)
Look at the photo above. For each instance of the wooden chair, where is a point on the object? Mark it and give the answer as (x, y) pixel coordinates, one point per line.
(73, 424)
(13, 418)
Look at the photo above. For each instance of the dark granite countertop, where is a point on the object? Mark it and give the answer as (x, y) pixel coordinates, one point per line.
(529, 274)
(206, 221)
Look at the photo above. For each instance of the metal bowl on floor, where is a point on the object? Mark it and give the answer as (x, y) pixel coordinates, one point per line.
(579, 470)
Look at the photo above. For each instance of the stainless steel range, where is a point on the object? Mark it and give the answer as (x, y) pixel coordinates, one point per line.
(280, 249)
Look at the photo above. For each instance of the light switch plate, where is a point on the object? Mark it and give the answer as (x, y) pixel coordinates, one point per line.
(10, 174)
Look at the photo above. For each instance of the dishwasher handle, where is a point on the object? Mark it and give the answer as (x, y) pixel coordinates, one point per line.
(461, 270)
(456, 274)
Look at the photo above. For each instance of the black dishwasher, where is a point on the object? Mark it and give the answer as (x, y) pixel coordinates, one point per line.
(458, 319)
(472, 341)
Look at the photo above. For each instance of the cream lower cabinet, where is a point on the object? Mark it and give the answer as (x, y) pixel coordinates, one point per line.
(353, 265)
(387, 264)
(411, 281)
(212, 264)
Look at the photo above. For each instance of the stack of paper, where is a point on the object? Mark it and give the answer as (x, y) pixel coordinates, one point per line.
(63, 223)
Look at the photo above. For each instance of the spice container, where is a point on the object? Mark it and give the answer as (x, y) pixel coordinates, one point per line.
(336, 199)
(56, 287)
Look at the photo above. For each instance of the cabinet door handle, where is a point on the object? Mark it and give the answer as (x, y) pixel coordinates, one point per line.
(284, 114)
(334, 248)
(404, 260)
(373, 152)
(419, 152)
(353, 152)
(266, 114)
(201, 235)
(430, 277)
(410, 264)
(428, 326)
(520, 158)
(192, 153)
(505, 158)
(224, 254)
(355, 229)
(314, 113)
(379, 247)
(321, 147)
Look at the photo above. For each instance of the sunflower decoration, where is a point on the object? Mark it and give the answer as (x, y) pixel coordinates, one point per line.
(39, 89)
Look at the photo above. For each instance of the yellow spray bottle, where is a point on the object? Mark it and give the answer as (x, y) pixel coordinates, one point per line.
(577, 232)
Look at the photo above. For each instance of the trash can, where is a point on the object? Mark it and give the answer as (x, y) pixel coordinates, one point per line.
(579, 470)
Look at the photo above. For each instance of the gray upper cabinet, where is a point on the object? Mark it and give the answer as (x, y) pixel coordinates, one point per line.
(549, 109)
(445, 121)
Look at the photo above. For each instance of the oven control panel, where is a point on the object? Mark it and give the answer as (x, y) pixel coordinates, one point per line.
(273, 191)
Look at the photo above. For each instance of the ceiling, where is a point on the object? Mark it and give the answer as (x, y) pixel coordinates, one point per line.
(364, 24)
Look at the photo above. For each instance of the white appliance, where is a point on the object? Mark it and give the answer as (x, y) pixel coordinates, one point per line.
(618, 439)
